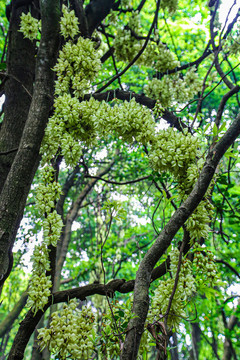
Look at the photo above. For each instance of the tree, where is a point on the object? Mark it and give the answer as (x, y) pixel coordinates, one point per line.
(96, 87)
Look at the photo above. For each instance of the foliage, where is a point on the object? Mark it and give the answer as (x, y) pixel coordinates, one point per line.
(130, 194)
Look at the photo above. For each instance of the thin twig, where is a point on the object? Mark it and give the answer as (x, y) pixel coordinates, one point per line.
(175, 283)
(15, 78)
(8, 151)
(119, 183)
(137, 56)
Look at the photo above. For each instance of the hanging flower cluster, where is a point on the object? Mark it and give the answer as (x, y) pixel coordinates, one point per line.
(177, 153)
(70, 124)
(40, 284)
(68, 23)
(77, 66)
(164, 59)
(129, 120)
(126, 45)
(184, 290)
(173, 151)
(29, 26)
(75, 121)
(198, 222)
(172, 88)
(170, 5)
(48, 193)
(70, 333)
(205, 267)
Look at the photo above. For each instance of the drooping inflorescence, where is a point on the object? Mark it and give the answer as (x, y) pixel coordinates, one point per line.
(184, 290)
(76, 123)
(29, 26)
(70, 332)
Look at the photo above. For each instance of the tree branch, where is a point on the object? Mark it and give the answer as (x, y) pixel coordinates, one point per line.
(109, 95)
(137, 56)
(143, 276)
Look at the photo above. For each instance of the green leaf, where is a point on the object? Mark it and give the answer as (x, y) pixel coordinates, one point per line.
(3, 66)
(215, 130)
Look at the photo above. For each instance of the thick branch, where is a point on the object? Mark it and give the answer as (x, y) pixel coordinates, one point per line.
(18, 182)
(225, 98)
(18, 85)
(228, 345)
(143, 277)
(96, 11)
(172, 119)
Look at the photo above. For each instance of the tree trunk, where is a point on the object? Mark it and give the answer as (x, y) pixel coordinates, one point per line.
(19, 178)
(6, 324)
(174, 349)
(196, 337)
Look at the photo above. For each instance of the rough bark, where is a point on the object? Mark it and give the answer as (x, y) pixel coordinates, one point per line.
(36, 354)
(18, 91)
(96, 11)
(19, 179)
(143, 276)
(196, 337)
(174, 349)
(229, 351)
(6, 324)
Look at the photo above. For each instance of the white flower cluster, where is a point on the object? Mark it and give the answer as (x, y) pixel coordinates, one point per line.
(206, 269)
(113, 330)
(70, 332)
(75, 121)
(173, 151)
(172, 88)
(40, 284)
(29, 26)
(68, 23)
(191, 176)
(177, 153)
(126, 46)
(70, 124)
(185, 289)
(198, 222)
(78, 64)
(48, 193)
(158, 109)
(164, 59)
(52, 228)
(129, 120)
(171, 5)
